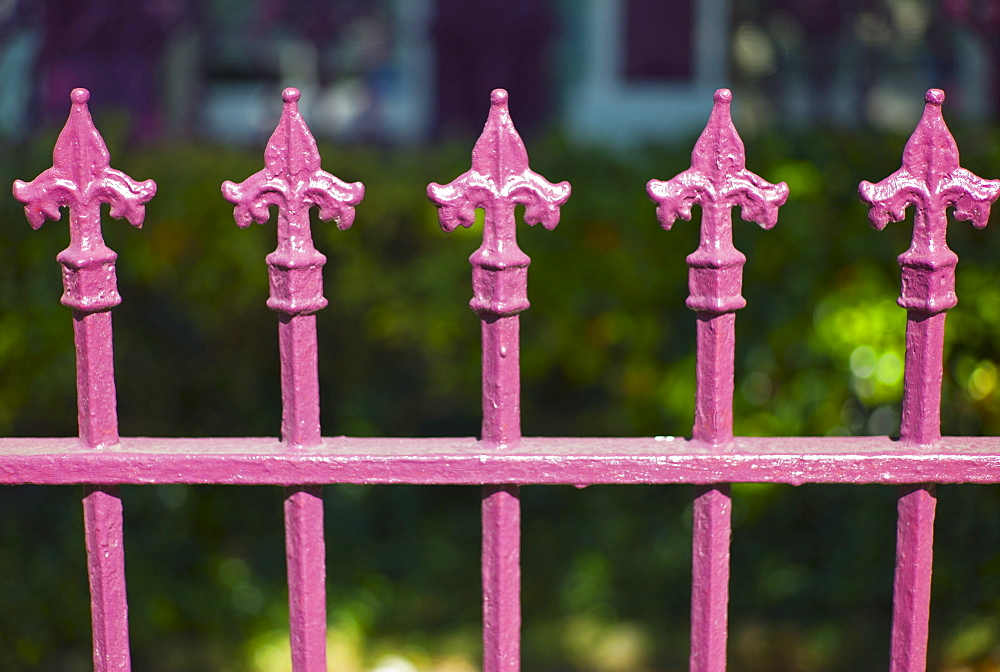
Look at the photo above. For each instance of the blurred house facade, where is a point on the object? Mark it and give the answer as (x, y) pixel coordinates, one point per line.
(612, 72)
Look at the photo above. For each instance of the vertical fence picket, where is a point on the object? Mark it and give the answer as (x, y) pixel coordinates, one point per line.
(501, 572)
(931, 180)
(81, 179)
(305, 550)
(499, 180)
(717, 181)
(293, 181)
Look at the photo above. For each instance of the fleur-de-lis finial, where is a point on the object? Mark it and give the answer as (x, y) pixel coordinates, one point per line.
(718, 181)
(81, 179)
(931, 180)
(293, 180)
(499, 179)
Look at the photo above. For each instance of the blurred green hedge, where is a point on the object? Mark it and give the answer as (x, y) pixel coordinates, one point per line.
(607, 349)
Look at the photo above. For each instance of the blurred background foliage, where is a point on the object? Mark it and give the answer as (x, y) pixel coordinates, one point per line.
(607, 350)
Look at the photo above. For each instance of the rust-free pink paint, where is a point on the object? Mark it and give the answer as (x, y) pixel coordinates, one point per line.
(501, 460)
(293, 181)
(718, 181)
(499, 180)
(931, 180)
(81, 179)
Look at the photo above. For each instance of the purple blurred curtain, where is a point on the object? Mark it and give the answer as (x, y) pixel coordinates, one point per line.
(112, 47)
(481, 45)
(659, 40)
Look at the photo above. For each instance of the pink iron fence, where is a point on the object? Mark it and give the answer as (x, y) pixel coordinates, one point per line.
(501, 461)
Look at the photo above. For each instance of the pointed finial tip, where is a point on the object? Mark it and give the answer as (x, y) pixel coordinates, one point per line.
(723, 95)
(80, 96)
(934, 96)
(290, 95)
(498, 97)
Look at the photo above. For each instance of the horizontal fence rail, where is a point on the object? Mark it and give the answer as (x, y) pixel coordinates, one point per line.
(446, 461)
(930, 179)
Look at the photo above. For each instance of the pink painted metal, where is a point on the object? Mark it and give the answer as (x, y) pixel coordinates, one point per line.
(293, 181)
(464, 461)
(501, 572)
(499, 180)
(931, 180)
(911, 589)
(102, 524)
(717, 181)
(710, 536)
(81, 179)
(305, 551)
